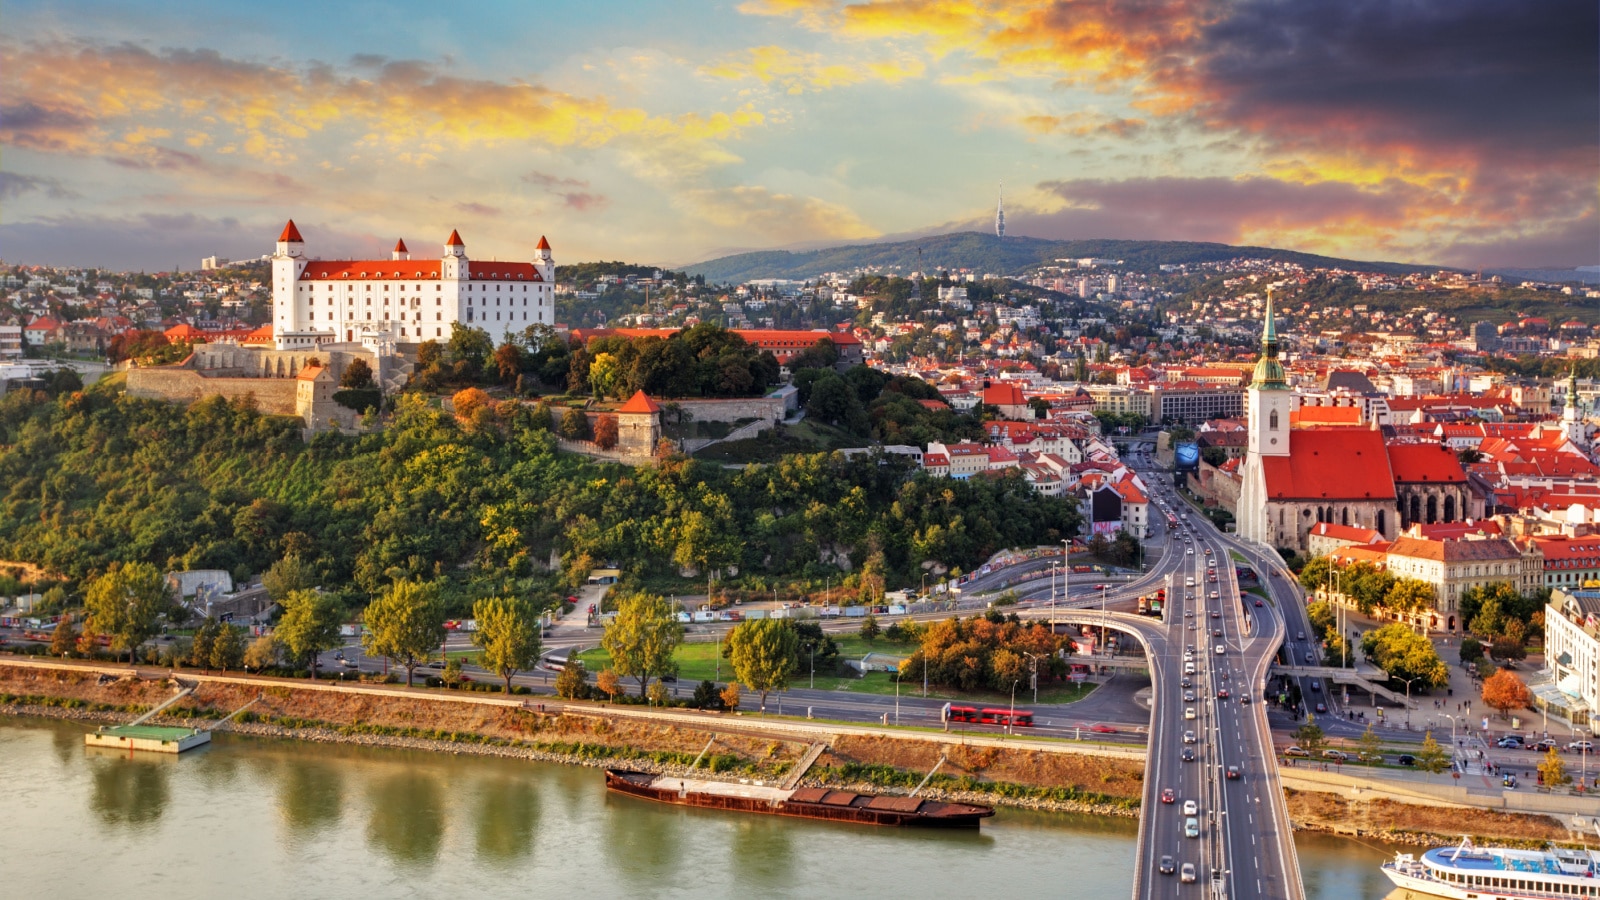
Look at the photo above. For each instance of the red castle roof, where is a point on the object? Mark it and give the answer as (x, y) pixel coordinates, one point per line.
(640, 402)
(543, 243)
(400, 246)
(291, 234)
(455, 240)
(408, 269)
(1425, 463)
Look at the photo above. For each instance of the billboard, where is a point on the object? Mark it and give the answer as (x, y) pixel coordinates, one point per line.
(1188, 455)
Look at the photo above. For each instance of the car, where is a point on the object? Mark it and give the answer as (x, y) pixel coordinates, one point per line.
(1190, 551)
(1166, 865)
(1316, 685)
(1245, 699)
(1581, 747)
(1221, 649)
(1191, 808)
(1187, 876)
(1188, 696)
(1188, 668)
(1188, 737)
(1233, 773)
(1188, 712)
(1188, 683)
(1322, 707)
(1406, 759)
(1099, 587)
(1102, 728)
(1222, 693)
(1296, 752)
(1216, 614)
(433, 664)
(1188, 754)
(1191, 827)
(1188, 614)
(1546, 744)
(1335, 755)
(1509, 742)
(1299, 635)
(1168, 796)
(348, 663)
(1208, 549)
(1258, 602)
(1216, 632)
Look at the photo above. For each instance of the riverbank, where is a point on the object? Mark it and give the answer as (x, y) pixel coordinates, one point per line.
(977, 770)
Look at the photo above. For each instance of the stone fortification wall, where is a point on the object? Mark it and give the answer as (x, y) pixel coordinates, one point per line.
(770, 409)
(274, 396)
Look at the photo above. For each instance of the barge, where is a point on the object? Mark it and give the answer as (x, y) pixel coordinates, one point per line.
(804, 803)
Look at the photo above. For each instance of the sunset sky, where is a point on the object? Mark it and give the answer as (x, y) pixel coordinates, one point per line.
(147, 135)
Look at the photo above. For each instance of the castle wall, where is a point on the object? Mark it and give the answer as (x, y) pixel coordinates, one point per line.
(733, 409)
(274, 396)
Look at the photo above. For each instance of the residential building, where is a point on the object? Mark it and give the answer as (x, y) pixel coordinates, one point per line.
(1572, 654)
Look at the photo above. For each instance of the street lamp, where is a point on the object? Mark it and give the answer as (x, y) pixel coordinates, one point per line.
(1033, 660)
(1408, 697)
(1013, 716)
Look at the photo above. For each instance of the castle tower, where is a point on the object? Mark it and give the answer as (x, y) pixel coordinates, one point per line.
(545, 261)
(400, 251)
(454, 266)
(288, 262)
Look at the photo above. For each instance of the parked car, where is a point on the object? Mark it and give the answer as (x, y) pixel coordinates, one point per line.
(1581, 747)
(1406, 759)
(1296, 752)
(1335, 755)
(1509, 742)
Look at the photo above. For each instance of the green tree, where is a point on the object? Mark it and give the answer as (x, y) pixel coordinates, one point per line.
(310, 625)
(405, 623)
(125, 603)
(64, 640)
(227, 648)
(357, 375)
(262, 653)
(869, 628)
(1489, 620)
(1409, 595)
(642, 638)
(509, 634)
(764, 653)
(574, 425)
(1310, 736)
(1371, 745)
(452, 674)
(204, 637)
(1471, 650)
(287, 575)
(1553, 770)
(1432, 758)
(658, 693)
(1404, 654)
(570, 684)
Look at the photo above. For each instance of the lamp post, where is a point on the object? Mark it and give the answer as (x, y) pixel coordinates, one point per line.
(1033, 663)
(1066, 584)
(1408, 697)
(1012, 717)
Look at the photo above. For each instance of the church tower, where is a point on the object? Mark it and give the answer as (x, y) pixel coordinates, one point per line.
(1269, 399)
(1571, 419)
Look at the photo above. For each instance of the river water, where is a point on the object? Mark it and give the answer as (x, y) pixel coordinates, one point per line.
(248, 818)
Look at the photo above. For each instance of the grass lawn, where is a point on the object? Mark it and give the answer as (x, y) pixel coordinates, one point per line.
(804, 437)
(1236, 556)
(698, 662)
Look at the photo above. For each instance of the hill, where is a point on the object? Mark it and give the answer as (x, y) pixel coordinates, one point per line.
(1000, 256)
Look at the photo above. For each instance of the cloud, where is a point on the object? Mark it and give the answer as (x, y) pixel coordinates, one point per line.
(478, 209)
(13, 185)
(573, 193)
(753, 211)
(155, 241)
(70, 96)
(797, 73)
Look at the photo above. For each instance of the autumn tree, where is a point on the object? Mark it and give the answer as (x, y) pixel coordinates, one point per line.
(642, 638)
(405, 623)
(125, 603)
(764, 653)
(1553, 771)
(262, 653)
(574, 425)
(1432, 758)
(609, 683)
(509, 635)
(1409, 595)
(1371, 745)
(570, 684)
(64, 640)
(467, 402)
(729, 696)
(310, 625)
(1504, 691)
(605, 432)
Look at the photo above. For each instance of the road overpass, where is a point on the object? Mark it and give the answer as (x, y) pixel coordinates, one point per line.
(1336, 675)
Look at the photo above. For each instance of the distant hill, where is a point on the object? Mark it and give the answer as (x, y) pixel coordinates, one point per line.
(1000, 256)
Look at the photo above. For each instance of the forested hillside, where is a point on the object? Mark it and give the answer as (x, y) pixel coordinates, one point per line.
(95, 477)
(987, 253)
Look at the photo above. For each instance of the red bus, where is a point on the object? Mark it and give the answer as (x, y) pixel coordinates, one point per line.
(1006, 717)
(963, 714)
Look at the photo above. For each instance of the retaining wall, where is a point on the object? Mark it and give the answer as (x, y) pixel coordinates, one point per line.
(273, 396)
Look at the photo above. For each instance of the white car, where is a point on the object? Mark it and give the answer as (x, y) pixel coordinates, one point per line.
(1190, 551)
(1186, 874)
(1188, 712)
(1188, 737)
(1221, 650)
(1191, 808)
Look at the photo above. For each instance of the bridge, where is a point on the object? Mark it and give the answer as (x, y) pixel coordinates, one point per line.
(1336, 675)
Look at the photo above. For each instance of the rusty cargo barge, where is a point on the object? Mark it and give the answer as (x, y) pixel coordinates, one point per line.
(805, 802)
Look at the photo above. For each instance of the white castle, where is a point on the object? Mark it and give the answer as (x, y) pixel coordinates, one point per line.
(400, 300)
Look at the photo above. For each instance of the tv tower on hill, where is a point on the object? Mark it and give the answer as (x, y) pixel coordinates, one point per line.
(1000, 213)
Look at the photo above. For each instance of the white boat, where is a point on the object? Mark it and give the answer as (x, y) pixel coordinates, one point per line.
(1468, 872)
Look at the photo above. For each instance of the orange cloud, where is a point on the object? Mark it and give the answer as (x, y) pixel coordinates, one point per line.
(796, 73)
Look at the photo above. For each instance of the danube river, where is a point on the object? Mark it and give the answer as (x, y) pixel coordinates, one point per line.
(249, 818)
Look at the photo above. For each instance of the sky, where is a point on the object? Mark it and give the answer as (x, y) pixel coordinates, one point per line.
(146, 136)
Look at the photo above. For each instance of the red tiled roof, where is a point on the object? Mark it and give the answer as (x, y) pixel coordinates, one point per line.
(1003, 395)
(455, 240)
(1331, 464)
(1307, 416)
(640, 402)
(1425, 463)
(291, 234)
(543, 243)
(1346, 533)
(413, 269)
(183, 331)
(400, 246)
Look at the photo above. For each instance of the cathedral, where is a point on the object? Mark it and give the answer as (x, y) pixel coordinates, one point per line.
(401, 300)
(1292, 479)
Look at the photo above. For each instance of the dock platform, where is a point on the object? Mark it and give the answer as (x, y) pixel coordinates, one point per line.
(148, 738)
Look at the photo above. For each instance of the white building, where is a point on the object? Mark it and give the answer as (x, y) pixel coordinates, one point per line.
(401, 300)
(1572, 653)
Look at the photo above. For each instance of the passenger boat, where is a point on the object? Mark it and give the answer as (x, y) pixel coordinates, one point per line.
(805, 802)
(1468, 872)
